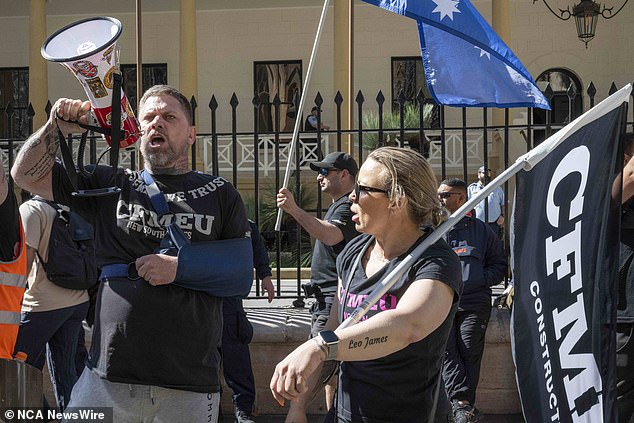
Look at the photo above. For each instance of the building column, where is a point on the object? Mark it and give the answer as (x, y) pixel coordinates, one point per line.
(500, 20)
(188, 63)
(38, 66)
(344, 61)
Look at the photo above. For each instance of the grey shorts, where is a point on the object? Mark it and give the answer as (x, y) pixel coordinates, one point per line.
(144, 403)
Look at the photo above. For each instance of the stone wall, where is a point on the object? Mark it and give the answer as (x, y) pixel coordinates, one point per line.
(497, 390)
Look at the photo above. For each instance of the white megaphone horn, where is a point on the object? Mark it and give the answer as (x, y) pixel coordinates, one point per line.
(88, 49)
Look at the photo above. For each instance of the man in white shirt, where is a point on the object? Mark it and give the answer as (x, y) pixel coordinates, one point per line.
(493, 210)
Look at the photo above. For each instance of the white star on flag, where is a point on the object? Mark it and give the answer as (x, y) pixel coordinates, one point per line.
(446, 8)
(483, 52)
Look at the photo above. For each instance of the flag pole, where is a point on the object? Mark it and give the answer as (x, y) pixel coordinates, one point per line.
(309, 71)
(139, 53)
(525, 162)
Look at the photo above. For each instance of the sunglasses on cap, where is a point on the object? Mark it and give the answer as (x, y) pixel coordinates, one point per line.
(324, 171)
(358, 189)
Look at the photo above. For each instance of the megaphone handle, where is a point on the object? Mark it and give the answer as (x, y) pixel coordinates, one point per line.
(80, 155)
(98, 129)
(93, 128)
(67, 158)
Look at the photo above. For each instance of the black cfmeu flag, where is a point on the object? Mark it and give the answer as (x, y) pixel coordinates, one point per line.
(565, 257)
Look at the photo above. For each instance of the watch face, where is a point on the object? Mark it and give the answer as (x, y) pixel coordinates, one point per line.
(328, 336)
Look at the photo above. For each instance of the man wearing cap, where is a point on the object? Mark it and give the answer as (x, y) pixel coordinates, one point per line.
(483, 265)
(311, 123)
(336, 177)
(492, 211)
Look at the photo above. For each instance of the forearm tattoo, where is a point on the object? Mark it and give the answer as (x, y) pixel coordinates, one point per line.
(40, 150)
(363, 343)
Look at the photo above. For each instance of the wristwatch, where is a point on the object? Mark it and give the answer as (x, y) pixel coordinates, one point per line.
(331, 342)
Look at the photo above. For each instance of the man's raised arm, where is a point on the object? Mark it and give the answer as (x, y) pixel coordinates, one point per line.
(33, 166)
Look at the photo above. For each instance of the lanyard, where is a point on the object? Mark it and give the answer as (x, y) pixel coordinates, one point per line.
(349, 278)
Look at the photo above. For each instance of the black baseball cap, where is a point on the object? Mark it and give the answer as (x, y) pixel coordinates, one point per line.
(337, 160)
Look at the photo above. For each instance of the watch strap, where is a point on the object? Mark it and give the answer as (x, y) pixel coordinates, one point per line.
(332, 346)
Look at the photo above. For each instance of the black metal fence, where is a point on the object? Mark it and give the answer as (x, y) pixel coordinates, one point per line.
(456, 141)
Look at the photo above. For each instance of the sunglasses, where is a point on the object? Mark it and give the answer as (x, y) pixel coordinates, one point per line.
(444, 195)
(324, 171)
(362, 188)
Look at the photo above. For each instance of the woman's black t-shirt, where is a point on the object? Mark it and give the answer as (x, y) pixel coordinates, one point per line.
(399, 387)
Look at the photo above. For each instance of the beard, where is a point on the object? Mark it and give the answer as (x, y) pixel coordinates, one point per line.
(159, 159)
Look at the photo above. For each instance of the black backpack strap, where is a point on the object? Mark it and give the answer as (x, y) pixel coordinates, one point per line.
(58, 210)
(39, 257)
(67, 159)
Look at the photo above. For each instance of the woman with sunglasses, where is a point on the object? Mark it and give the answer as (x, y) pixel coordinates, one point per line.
(391, 360)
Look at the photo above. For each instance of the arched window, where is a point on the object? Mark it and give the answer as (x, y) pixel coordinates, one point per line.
(564, 108)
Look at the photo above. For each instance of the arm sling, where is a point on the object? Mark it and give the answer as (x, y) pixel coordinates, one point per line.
(223, 268)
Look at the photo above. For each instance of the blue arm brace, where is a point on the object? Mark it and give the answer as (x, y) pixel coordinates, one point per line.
(223, 268)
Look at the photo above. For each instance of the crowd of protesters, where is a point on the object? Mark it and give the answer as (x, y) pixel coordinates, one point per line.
(170, 246)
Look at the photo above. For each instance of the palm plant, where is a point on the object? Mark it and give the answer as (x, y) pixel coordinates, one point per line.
(392, 125)
(290, 230)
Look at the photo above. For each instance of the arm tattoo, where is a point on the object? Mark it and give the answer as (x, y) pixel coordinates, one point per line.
(40, 150)
(363, 343)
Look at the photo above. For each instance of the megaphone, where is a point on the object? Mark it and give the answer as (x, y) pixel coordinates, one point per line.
(88, 49)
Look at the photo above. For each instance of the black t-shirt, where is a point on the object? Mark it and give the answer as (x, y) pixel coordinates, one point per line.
(9, 229)
(165, 335)
(399, 387)
(323, 270)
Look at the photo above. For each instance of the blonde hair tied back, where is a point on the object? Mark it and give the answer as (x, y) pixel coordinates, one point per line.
(408, 174)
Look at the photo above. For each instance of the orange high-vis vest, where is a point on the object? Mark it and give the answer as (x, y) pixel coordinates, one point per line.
(12, 286)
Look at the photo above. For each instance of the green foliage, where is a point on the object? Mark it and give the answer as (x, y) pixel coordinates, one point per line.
(268, 208)
(249, 206)
(289, 229)
(289, 258)
(392, 124)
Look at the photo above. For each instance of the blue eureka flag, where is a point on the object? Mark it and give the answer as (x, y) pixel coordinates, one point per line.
(466, 63)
